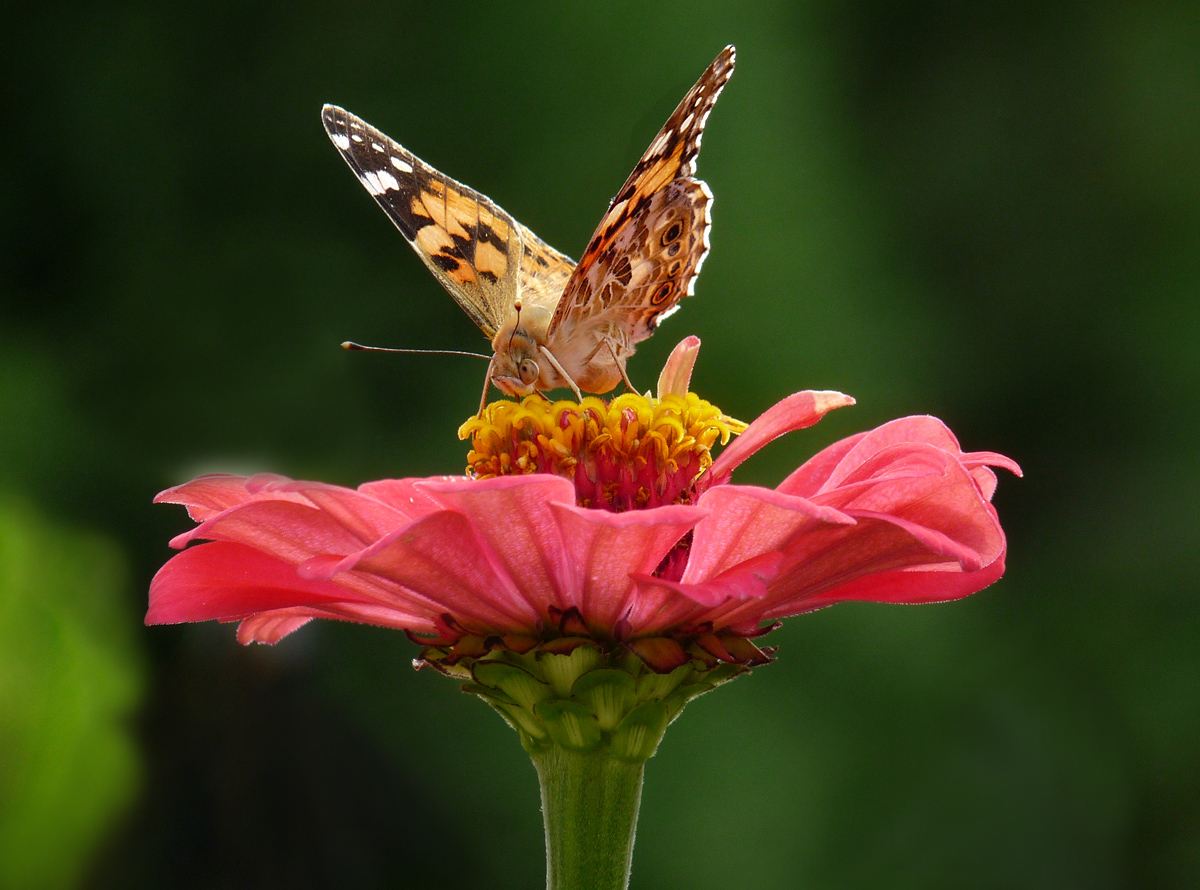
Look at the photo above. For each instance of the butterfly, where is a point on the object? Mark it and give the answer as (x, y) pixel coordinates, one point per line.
(553, 323)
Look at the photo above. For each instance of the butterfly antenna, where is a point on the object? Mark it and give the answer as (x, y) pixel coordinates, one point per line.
(358, 347)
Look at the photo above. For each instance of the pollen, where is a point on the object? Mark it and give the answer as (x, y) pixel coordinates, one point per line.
(628, 453)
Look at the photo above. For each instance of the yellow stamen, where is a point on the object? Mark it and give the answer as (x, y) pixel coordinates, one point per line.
(634, 451)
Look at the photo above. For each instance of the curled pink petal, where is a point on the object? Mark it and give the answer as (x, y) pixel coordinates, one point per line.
(207, 495)
(796, 412)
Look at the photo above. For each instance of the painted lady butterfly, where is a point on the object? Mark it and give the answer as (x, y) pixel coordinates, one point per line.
(553, 323)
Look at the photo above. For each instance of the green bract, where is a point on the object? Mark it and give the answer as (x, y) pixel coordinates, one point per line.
(581, 696)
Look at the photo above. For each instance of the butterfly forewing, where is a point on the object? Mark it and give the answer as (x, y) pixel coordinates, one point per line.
(646, 252)
(468, 242)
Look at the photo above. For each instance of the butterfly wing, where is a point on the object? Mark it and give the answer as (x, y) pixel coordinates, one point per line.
(647, 251)
(479, 253)
(544, 271)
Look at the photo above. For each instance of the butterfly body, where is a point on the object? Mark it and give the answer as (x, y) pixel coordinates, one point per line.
(553, 323)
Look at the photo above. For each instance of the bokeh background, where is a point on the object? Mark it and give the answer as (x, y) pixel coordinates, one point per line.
(988, 212)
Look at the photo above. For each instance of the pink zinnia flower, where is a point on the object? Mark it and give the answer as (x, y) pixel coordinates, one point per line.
(596, 569)
(601, 522)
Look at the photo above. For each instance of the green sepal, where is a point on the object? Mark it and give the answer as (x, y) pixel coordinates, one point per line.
(582, 696)
(571, 725)
(517, 683)
(608, 693)
(658, 686)
(637, 738)
(490, 694)
(561, 671)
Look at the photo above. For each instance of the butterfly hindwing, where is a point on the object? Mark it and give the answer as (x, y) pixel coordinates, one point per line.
(636, 281)
(646, 252)
(544, 271)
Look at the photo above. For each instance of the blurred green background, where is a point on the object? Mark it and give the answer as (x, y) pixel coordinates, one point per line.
(988, 212)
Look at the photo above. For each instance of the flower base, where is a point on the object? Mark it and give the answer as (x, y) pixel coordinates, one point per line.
(579, 695)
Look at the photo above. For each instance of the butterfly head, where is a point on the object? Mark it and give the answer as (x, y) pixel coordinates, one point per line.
(516, 373)
(516, 367)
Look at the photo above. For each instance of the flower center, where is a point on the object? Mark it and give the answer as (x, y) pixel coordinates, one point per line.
(628, 453)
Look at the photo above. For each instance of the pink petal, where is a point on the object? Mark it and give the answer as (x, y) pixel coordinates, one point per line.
(822, 561)
(746, 580)
(933, 584)
(216, 500)
(405, 495)
(808, 479)
(829, 468)
(796, 412)
(207, 495)
(511, 515)
(290, 531)
(745, 521)
(972, 459)
(603, 549)
(922, 485)
(441, 558)
(986, 480)
(676, 374)
(364, 517)
(916, 508)
(230, 580)
(270, 627)
(934, 541)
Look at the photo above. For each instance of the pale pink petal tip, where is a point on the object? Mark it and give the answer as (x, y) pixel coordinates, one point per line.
(676, 374)
(270, 627)
(992, 459)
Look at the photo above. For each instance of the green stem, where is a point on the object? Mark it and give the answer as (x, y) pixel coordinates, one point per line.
(590, 807)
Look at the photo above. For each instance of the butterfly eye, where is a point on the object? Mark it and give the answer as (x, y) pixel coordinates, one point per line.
(671, 234)
(529, 371)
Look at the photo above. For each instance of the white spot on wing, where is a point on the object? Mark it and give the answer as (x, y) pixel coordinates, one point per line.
(401, 165)
(356, 137)
(387, 181)
(377, 147)
(371, 183)
(341, 140)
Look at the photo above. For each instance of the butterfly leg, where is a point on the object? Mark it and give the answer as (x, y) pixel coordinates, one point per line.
(562, 372)
(487, 382)
(620, 364)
